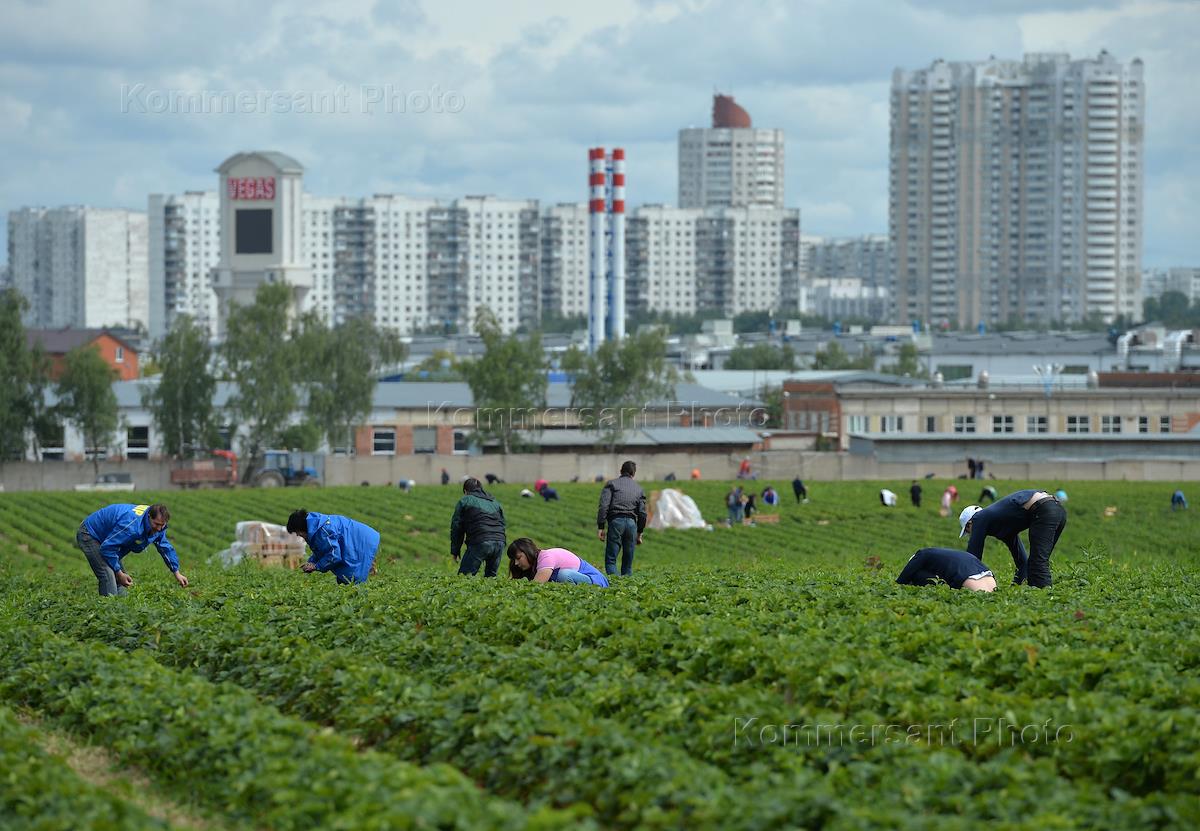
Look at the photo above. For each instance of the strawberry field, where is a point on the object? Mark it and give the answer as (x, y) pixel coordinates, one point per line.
(753, 677)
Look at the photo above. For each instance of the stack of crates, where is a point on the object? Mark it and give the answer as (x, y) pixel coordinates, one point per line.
(270, 545)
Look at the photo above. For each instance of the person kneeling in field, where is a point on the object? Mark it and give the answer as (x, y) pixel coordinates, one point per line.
(339, 544)
(957, 569)
(550, 565)
(112, 532)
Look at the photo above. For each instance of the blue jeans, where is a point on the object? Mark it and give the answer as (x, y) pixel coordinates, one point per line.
(106, 579)
(569, 575)
(622, 534)
(480, 553)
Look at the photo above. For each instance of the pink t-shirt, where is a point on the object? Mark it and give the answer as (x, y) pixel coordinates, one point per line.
(557, 558)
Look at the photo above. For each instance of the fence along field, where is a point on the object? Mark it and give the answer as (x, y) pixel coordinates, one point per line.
(767, 676)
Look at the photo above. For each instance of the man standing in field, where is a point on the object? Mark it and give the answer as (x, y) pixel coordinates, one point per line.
(339, 544)
(479, 520)
(1006, 518)
(623, 511)
(106, 536)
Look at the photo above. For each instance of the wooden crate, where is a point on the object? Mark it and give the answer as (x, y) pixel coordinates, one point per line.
(759, 519)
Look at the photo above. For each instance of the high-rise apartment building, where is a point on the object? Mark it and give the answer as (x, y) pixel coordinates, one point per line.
(80, 267)
(730, 260)
(1157, 281)
(564, 260)
(1016, 189)
(731, 164)
(866, 258)
(183, 248)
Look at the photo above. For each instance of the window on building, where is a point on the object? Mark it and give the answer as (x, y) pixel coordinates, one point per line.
(1037, 424)
(1164, 424)
(1110, 424)
(930, 424)
(1079, 424)
(461, 442)
(1002, 424)
(1143, 424)
(891, 424)
(955, 372)
(964, 424)
(383, 441)
(424, 440)
(137, 443)
(860, 424)
(51, 439)
(120, 358)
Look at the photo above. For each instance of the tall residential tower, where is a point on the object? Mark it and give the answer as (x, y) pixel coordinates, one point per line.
(1016, 190)
(731, 164)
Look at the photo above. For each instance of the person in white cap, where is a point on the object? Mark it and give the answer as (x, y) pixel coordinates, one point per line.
(1036, 511)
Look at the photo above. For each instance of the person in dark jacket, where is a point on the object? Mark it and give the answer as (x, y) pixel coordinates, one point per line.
(915, 493)
(799, 490)
(338, 544)
(1006, 518)
(479, 520)
(109, 534)
(957, 569)
(623, 511)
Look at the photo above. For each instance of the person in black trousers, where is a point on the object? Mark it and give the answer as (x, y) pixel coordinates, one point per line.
(915, 493)
(1036, 511)
(799, 490)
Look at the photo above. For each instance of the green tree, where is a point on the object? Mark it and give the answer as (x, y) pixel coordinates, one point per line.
(263, 366)
(772, 398)
(304, 436)
(908, 363)
(86, 399)
(761, 356)
(23, 374)
(441, 365)
(613, 385)
(340, 368)
(1170, 309)
(182, 401)
(834, 356)
(508, 383)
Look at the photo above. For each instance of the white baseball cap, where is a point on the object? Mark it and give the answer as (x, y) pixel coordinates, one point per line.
(965, 517)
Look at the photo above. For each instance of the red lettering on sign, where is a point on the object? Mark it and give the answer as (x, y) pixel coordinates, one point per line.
(251, 187)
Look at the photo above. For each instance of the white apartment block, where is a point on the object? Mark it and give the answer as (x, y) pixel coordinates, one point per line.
(501, 257)
(401, 290)
(730, 164)
(845, 298)
(565, 265)
(80, 267)
(1157, 281)
(731, 260)
(1016, 189)
(184, 248)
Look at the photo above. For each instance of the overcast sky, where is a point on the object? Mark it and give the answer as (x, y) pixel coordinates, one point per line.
(527, 85)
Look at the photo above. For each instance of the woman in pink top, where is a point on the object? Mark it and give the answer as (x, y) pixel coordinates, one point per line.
(550, 565)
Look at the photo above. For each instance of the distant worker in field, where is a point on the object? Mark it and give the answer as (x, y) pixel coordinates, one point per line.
(887, 498)
(733, 504)
(338, 544)
(770, 496)
(493, 479)
(695, 473)
(1178, 501)
(445, 476)
(1032, 510)
(548, 493)
(749, 509)
(744, 469)
(1060, 495)
(988, 494)
(550, 565)
(914, 493)
(957, 569)
(949, 495)
(621, 519)
(799, 490)
(479, 520)
(110, 533)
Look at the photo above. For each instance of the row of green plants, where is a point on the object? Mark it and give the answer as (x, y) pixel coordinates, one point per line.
(39, 790)
(216, 744)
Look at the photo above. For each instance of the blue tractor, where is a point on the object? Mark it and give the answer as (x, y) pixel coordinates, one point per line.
(290, 468)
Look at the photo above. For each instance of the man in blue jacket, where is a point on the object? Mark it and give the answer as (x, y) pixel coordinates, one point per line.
(1006, 518)
(106, 536)
(339, 544)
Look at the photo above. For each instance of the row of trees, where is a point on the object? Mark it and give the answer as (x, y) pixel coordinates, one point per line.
(83, 391)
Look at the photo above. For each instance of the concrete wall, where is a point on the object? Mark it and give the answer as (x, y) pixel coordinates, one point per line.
(561, 467)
